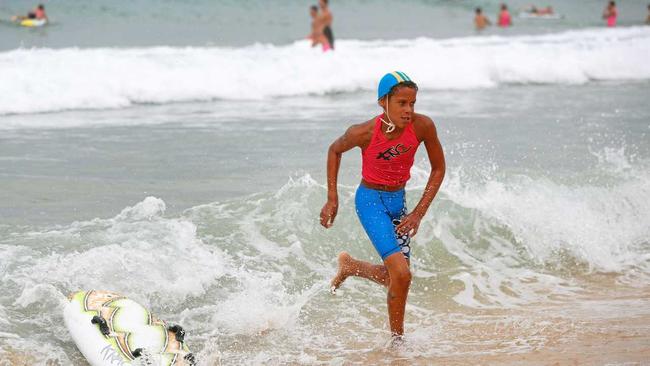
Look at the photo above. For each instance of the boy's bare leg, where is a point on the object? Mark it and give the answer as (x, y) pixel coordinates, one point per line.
(349, 266)
(398, 288)
(394, 274)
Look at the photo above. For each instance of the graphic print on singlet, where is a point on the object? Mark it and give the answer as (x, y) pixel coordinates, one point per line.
(394, 151)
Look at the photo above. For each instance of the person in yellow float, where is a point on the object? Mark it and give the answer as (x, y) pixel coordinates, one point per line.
(38, 13)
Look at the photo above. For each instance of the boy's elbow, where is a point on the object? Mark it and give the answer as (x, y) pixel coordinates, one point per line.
(439, 170)
(334, 149)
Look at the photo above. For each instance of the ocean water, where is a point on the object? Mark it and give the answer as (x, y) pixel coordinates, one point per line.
(175, 152)
(237, 23)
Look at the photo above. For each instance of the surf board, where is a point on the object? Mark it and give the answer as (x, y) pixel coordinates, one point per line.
(112, 330)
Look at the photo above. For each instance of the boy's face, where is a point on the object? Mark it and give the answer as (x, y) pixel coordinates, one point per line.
(401, 106)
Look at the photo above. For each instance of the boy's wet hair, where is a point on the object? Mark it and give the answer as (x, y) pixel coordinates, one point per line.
(313, 8)
(403, 84)
(478, 10)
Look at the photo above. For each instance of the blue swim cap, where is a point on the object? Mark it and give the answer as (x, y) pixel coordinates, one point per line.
(389, 81)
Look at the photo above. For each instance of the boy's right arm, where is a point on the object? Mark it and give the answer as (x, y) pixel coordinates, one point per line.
(353, 137)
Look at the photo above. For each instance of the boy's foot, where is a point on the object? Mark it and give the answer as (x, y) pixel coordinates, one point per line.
(343, 271)
(397, 341)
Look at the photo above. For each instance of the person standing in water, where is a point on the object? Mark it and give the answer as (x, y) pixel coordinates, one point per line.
(480, 20)
(326, 18)
(647, 19)
(388, 143)
(504, 18)
(610, 14)
(316, 36)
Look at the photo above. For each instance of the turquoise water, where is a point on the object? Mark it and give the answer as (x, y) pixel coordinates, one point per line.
(238, 23)
(175, 152)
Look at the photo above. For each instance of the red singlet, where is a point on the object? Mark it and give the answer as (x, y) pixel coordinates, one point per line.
(389, 162)
(504, 19)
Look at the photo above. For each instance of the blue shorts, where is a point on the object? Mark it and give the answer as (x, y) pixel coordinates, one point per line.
(380, 212)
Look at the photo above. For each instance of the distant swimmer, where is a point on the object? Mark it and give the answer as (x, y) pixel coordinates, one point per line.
(610, 14)
(316, 36)
(480, 20)
(504, 18)
(532, 9)
(36, 13)
(388, 143)
(326, 18)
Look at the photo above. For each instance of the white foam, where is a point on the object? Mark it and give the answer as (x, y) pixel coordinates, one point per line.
(512, 233)
(146, 210)
(115, 78)
(602, 227)
(613, 159)
(267, 305)
(137, 250)
(42, 294)
(251, 274)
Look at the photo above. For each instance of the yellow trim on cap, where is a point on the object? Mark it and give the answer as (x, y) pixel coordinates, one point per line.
(397, 76)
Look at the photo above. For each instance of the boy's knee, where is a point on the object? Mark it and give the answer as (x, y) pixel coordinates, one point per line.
(398, 269)
(402, 276)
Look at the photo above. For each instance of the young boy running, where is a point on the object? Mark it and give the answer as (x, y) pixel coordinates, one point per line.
(388, 144)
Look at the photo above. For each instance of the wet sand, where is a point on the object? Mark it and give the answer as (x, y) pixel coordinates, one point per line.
(610, 326)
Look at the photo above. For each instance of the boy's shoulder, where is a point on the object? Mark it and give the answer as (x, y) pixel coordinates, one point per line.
(422, 120)
(361, 132)
(424, 126)
(364, 126)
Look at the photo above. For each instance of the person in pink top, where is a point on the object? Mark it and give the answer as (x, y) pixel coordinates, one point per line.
(504, 18)
(388, 143)
(37, 13)
(40, 12)
(610, 13)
